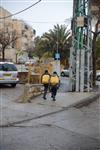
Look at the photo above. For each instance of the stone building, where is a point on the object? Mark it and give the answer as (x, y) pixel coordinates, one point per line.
(22, 30)
(25, 34)
(6, 21)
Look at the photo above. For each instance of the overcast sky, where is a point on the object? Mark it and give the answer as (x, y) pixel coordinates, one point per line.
(42, 16)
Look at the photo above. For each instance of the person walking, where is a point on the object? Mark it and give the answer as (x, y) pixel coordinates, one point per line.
(45, 79)
(54, 84)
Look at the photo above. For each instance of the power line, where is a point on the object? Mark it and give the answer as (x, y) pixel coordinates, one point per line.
(47, 22)
(21, 10)
(44, 1)
(44, 22)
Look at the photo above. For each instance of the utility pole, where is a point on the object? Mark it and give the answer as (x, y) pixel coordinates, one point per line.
(81, 50)
(56, 66)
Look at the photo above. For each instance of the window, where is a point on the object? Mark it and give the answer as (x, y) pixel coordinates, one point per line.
(1, 67)
(26, 27)
(7, 67)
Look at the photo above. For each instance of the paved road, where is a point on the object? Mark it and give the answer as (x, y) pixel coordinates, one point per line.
(64, 86)
(72, 129)
(9, 94)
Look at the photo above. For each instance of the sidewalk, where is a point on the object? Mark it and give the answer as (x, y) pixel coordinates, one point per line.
(14, 113)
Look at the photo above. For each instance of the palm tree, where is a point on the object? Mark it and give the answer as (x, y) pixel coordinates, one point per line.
(59, 40)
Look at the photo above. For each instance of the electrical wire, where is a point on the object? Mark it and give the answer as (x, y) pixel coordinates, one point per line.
(21, 10)
(44, 22)
(48, 22)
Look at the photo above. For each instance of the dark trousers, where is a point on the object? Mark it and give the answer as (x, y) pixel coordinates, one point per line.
(45, 90)
(53, 91)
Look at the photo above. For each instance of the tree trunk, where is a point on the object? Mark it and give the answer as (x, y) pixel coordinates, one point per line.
(16, 58)
(3, 54)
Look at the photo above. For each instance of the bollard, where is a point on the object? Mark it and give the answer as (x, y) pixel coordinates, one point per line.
(25, 97)
(30, 91)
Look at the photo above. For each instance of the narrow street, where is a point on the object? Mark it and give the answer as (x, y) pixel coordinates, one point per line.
(70, 129)
(57, 37)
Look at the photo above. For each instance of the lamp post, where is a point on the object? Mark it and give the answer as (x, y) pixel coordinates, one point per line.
(57, 58)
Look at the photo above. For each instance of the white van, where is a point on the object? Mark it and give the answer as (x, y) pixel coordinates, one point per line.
(8, 74)
(65, 73)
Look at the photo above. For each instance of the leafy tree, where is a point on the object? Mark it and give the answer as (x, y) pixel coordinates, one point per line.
(47, 54)
(18, 53)
(30, 50)
(41, 46)
(59, 40)
(98, 48)
(55, 40)
(98, 52)
(95, 35)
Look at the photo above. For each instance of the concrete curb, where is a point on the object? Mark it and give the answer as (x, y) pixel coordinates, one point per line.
(86, 101)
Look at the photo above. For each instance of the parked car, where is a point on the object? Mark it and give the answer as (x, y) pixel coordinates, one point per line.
(65, 73)
(98, 76)
(8, 74)
(21, 61)
(30, 61)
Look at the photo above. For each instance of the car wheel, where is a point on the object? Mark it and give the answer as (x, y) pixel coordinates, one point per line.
(98, 78)
(62, 74)
(13, 84)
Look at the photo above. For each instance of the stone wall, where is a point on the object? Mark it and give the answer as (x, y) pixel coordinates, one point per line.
(24, 78)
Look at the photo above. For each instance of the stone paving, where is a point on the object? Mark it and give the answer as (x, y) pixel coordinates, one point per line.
(14, 112)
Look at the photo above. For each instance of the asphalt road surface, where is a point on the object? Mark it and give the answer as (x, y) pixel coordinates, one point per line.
(72, 129)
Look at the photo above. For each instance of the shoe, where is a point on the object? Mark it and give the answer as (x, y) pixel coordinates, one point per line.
(54, 99)
(44, 98)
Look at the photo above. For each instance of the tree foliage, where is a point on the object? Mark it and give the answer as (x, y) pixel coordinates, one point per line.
(95, 36)
(55, 40)
(40, 46)
(98, 48)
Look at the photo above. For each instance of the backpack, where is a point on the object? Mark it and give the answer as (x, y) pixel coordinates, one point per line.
(54, 80)
(45, 79)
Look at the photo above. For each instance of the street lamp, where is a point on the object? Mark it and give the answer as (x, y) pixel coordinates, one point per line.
(57, 58)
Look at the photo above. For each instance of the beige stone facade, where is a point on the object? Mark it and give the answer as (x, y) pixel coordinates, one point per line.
(10, 54)
(23, 31)
(7, 21)
(25, 34)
